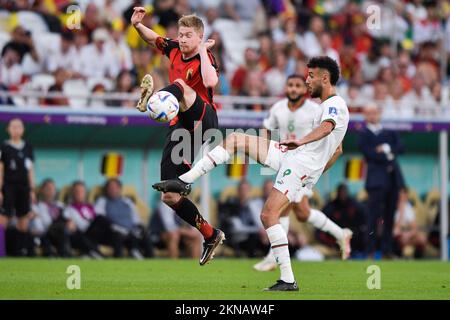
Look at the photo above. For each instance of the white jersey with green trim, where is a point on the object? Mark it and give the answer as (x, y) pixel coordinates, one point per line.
(315, 155)
(293, 124)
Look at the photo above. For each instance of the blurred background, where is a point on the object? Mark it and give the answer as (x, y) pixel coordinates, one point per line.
(71, 72)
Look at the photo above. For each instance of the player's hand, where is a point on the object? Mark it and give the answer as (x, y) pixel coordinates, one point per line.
(208, 44)
(138, 15)
(291, 143)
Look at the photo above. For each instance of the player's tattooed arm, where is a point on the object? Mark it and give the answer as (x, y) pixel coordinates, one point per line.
(147, 34)
(318, 133)
(334, 157)
(209, 73)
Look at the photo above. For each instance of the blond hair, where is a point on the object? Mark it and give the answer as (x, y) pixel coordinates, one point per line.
(191, 21)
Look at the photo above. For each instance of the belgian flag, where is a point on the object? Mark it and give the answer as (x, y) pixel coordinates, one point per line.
(238, 168)
(112, 165)
(355, 169)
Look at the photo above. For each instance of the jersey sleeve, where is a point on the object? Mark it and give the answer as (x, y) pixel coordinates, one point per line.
(213, 61)
(334, 111)
(271, 122)
(166, 45)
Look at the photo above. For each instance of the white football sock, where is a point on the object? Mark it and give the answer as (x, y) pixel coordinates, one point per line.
(320, 221)
(284, 221)
(216, 156)
(279, 242)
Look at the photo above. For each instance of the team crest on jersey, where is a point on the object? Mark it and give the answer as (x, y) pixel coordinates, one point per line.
(189, 74)
(332, 110)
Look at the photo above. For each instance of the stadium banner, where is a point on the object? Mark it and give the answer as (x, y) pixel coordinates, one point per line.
(227, 119)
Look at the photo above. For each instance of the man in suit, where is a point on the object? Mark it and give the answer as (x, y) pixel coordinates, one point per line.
(380, 148)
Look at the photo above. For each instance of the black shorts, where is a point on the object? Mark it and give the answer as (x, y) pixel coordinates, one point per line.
(200, 116)
(16, 200)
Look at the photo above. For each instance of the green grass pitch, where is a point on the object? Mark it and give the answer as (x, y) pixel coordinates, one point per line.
(222, 279)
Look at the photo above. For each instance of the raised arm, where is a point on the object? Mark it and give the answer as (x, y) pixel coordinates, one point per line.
(147, 34)
(209, 73)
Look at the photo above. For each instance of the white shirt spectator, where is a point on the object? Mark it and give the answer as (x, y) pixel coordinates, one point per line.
(68, 60)
(309, 44)
(122, 54)
(10, 76)
(98, 64)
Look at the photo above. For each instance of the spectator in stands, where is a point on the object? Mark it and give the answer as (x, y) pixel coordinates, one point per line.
(22, 42)
(50, 223)
(380, 148)
(66, 57)
(125, 220)
(241, 10)
(242, 215)
(251, 58)
(83, 226)
(166, 11)
(61, 75)
(310, 42)
(91, 20)
(348, 213)
(406, 232)
(16, 185)
(119, 47)
(416, 98)
(11, 72)
(97, 61)
(168, 228)
(254, 86)
(326, 49)
(275, 77)
(124, 84)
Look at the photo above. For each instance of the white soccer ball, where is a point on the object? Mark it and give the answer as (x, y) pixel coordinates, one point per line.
(163, 106)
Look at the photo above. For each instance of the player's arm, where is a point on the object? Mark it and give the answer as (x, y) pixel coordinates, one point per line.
(318, 133)
(31, 182)
(209, 73)
(146, 33)
(334, 157)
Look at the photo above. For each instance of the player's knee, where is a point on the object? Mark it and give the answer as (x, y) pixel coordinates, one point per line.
(170, 198)
(267, 217)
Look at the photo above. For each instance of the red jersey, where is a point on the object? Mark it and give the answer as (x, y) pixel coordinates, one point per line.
(186, 69)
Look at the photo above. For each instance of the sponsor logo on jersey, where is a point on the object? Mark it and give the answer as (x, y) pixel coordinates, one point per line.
(332, 110)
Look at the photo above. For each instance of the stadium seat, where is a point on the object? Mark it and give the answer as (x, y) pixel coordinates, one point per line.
(42, 81)
(231, 191)
(32, 21)
(64, 194)
(76, 87)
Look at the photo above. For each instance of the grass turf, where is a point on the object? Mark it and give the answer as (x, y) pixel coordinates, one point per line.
(222, 279)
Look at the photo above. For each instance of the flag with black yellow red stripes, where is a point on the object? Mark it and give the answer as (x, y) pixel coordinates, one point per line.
(237, 169)
(112, 165)
(355, 169)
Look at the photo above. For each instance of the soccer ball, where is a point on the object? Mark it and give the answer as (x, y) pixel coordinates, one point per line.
(163, 106)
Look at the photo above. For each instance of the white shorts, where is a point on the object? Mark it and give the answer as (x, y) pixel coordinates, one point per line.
(293, 179)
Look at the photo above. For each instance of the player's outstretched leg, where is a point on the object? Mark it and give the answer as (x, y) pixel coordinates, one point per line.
(146, 92)
(254, 146)
(188, 211)
(320, 221)
(278, 240)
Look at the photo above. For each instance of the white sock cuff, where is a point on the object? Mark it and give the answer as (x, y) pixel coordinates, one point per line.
(219, 155)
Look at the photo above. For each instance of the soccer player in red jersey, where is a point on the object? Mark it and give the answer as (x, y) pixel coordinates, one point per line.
(193, 74)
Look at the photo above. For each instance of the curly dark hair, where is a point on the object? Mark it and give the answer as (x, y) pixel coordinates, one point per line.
(324, 62)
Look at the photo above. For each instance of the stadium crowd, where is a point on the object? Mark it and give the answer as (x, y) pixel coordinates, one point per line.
(402, 63)
(399, 60)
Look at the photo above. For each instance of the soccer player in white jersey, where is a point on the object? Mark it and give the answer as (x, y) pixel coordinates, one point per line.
(294, 117)
(299, 162)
